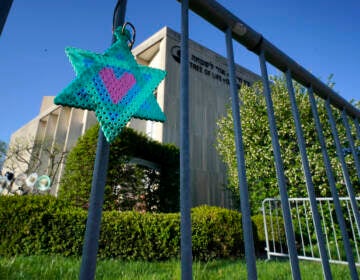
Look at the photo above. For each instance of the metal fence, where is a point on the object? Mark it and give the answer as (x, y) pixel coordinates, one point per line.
(306, 243)
(236, 30)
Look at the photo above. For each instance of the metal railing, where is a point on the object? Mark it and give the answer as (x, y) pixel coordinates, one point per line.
(236, 30)
(306, 244)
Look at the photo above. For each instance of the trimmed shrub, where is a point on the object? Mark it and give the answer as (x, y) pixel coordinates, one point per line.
(129, 186)
(136, 236)
(216, 232)
(40, 225)
(33, 225)
(279, 238)
(258, 220)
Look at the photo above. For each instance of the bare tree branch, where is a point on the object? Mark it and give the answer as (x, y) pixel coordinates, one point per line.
(42, 156)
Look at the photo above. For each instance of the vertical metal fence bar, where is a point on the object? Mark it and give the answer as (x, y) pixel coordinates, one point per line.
(358, 199)
(93, 222)
(334, 231)
(357, 128)
(243, 187)
(308, 178)
(5, 6)
(278, 227)
(352, 228)
(92, 232)
(294, 261)
(266, 230)
(300, 227)
(308, 228)
(351, 141)
(325, 230)
(185, 204)
(333, 189)
(272, 225)
(345, 172)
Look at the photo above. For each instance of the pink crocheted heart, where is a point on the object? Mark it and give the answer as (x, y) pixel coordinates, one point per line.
(117, 88)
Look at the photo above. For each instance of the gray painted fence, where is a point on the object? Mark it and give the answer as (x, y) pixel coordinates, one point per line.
(236, 30)
(306, 244)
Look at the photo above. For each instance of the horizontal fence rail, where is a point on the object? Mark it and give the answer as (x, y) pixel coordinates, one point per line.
(305, 231)
(222, 18)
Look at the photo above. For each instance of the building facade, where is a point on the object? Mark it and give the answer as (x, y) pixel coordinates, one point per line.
(209, 96)
(59, 127)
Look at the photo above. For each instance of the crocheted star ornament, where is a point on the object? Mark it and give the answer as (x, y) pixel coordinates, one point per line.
(113, 85)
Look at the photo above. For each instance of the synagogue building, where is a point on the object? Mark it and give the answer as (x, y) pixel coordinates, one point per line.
(209, 95)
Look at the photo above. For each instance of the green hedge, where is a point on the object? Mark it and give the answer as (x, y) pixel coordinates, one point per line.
(40, 225)
(258, 220)
(32, 225)
(217, 232)
(75, 184)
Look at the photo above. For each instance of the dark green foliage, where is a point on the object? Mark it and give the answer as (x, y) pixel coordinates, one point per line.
(3, 149)
(32, 225)
(260, 167)
(133, 235)
(128, 186)
(217, 232)
(258, 220)
(76, 182)
(39, 224)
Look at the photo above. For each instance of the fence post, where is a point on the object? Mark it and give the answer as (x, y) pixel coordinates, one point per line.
(5, 6)
(266, 229)
(351, 141)
(289, 231)
(185, 203)
(333, 189)
(345, 171)
(92, 232)
(243, 187)
(308, 178)
(356, 122)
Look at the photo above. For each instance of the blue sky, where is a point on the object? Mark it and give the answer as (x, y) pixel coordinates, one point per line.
(321, 35)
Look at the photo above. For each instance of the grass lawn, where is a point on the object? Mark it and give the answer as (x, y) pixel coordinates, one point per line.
(56, 267)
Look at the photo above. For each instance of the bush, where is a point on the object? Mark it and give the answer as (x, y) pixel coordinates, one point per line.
(217, 232)
(130, 185)
(136, 236)
(258, 220)
(32, 225)
(257, 144)
(40, 225)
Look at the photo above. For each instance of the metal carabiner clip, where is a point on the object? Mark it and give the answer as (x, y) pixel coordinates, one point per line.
(131, 35)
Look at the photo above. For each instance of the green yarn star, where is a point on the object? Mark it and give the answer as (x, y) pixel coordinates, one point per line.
(114, 86)
(81, 60)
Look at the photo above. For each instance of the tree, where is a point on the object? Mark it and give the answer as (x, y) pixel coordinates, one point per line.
(3, 148)
(142, 175)
(35, 156)
(260, 168)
